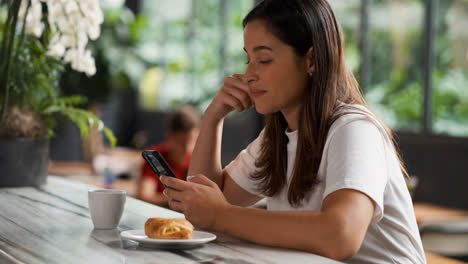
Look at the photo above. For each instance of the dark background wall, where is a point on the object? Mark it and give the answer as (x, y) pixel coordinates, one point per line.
(441, 164)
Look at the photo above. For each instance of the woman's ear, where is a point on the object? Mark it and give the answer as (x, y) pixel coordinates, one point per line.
(310, 61)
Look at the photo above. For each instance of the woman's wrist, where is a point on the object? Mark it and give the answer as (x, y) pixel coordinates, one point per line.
(213, 115)
(222, 217)
(210, 121)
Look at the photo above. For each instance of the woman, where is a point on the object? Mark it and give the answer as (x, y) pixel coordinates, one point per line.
(329, 170)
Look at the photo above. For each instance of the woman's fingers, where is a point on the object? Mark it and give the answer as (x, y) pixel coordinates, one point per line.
(232, 101)
(238, 81)
(238, 76)
(176, 205)
(173, 194)
(235, 87)
(240, 95)
(233, 95)
(202, 179)
(174, 183)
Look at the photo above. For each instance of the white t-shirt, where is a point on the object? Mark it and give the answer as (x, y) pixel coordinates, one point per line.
(357, 155)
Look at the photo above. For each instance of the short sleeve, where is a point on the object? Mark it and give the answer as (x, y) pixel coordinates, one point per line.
(357, 160)
(243, 166)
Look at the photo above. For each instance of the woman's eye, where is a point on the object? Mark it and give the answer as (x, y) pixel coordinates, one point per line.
(261, 61)
(265, 61)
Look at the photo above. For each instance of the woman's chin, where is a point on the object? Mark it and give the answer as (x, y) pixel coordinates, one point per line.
(264, 110)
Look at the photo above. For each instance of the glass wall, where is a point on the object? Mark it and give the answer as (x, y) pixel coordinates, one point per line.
(450, 76)
(349, 16)
(396, 67)
(196, 45)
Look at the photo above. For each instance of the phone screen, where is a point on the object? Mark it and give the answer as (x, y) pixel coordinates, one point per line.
(157, 163)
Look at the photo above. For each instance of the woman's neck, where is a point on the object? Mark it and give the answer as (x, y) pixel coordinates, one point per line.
(292, 117)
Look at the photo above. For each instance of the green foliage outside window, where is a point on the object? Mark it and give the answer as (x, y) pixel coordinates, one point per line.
(192, 49)
(397, 63)
(450, 77)
(189, 41)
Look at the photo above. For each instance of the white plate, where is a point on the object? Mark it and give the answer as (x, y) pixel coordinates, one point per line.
(139, 235)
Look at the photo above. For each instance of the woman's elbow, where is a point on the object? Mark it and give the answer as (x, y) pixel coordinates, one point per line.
(341, 246)
(341, 252)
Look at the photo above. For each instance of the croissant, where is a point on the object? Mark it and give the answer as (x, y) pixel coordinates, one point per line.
(163, 228)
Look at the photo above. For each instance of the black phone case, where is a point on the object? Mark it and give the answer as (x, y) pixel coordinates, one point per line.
(157, 163)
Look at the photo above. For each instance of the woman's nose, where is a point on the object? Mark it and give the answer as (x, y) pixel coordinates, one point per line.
(251, 78)
(250, 75)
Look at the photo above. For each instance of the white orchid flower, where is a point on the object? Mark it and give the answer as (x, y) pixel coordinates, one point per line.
(72, 22)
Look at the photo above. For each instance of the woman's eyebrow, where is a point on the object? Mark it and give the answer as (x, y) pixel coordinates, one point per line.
(260, 48)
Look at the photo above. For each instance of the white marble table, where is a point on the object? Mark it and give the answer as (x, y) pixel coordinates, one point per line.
(52, 224)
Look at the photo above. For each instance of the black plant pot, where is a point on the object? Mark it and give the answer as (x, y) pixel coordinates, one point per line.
(23, 161)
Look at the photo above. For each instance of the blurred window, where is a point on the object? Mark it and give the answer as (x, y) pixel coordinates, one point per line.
(450, 76)
(196, 45)
(349, 13)
(396, 34)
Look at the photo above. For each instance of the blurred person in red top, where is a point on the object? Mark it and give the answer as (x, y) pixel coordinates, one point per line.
(182, 133)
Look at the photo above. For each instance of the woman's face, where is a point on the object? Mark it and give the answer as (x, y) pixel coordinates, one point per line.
(277, 77)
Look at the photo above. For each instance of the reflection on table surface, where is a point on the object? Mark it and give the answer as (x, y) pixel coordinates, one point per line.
(52, 224)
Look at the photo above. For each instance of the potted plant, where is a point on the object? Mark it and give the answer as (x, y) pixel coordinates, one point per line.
(37, 38)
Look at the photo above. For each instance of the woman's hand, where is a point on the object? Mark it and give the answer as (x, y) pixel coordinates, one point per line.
(233, 95)
(199, 199)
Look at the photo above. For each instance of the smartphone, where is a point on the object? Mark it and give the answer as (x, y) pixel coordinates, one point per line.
(157, 163)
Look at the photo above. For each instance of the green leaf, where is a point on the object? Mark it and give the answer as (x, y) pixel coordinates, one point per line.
(110, 136)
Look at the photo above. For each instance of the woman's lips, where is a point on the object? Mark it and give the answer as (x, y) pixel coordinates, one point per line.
(257, 92)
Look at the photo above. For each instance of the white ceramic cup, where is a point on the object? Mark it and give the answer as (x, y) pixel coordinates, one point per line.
(106, 207)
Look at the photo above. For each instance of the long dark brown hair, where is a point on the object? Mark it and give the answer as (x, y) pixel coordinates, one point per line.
(303, 24)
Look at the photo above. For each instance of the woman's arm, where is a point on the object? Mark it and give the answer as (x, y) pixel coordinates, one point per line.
(206, 156)
(336, 231)
(206, 159)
